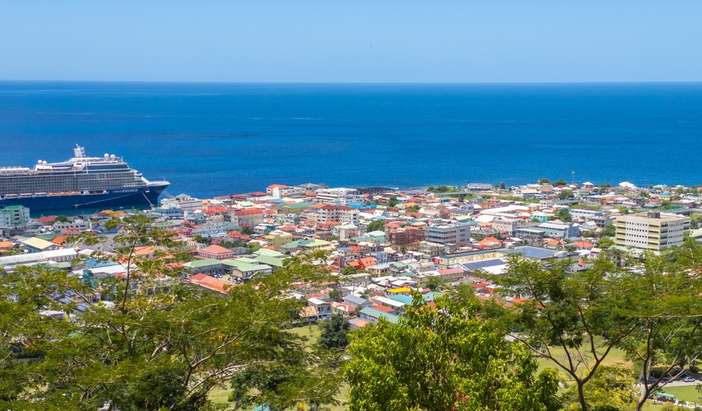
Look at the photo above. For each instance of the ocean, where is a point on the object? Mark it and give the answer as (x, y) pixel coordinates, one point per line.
(212, 139)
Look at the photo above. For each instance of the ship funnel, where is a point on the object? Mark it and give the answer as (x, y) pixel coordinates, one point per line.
(78, 151)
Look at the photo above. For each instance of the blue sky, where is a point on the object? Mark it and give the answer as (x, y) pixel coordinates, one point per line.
(351, 41)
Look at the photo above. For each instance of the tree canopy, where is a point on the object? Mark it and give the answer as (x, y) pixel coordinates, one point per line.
(444, 357)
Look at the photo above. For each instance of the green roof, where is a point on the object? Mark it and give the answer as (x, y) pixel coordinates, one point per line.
(274, 261)
(269, 252)
(372, 312)
(246, 265)
(201, 263)
(305, 243)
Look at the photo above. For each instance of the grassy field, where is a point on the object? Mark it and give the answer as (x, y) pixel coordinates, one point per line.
(220, 396)
(615, 357)
(686, 393)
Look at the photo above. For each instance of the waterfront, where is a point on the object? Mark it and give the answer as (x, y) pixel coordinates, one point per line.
(210, 139)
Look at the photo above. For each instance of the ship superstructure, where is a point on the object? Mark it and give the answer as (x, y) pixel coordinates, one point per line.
(81, 182)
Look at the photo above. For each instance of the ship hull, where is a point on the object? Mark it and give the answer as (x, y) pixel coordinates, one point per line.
(138, 198)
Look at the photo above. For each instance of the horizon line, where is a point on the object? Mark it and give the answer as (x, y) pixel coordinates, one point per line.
(361, 83)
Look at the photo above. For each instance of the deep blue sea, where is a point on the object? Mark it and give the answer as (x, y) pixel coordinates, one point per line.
(210, 139)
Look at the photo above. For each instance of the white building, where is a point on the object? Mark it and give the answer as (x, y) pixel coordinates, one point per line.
(449, 232)
(339, 195)
(335, 214)
(651, 231)
(60, 255)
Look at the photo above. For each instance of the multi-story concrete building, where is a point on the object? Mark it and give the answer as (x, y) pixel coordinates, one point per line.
(507, 225)
(335, 214)
(650, 231)
(564, 231)
(282, 190)
(449, 232)
(339, 195)
(13, 218)
(405, 235)
(248, 217)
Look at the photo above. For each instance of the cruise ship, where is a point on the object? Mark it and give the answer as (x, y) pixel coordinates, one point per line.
(80, 183)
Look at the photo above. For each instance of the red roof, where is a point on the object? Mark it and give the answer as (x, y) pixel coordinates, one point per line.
(239, 235)
(49, 219)
(210, 283)
(216, 249)
(248, 211)
(383, 308)
(213, 210)
(489, 242)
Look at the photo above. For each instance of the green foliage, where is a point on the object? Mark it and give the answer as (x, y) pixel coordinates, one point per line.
(606, 242)
(441, 189)
(393, 202)
(609, 230)
(348, 270)
(563, 214)
(334, 332)
(569, 311)
(652, 313)
(376, 225)
(336, 295)
(434, 283)
(611, 388)
(162, 349)
(444, 358)
(666, 306)
(566, 194)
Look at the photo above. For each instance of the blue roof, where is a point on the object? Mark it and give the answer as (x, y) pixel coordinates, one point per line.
(355, 300)
(479, 265)
(535, 253)
(402, 298)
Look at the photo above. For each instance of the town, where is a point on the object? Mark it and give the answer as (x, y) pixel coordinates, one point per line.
(384, 243)
(385, 247)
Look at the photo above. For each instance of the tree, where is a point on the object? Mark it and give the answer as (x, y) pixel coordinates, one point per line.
(566, 194)
(348, 270)
(609, 230)
(334, 332)
(612, 386)
(668, 311)
(563, 214)
(434, 283)
(606, 242)
(26, 334)
(162, 349)
(579, 313)
(444, 357)
(393, 202)
(336, 295)
(441, 189)
(375, 225)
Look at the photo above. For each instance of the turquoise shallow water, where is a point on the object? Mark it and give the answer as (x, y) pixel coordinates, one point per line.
(212, 139)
